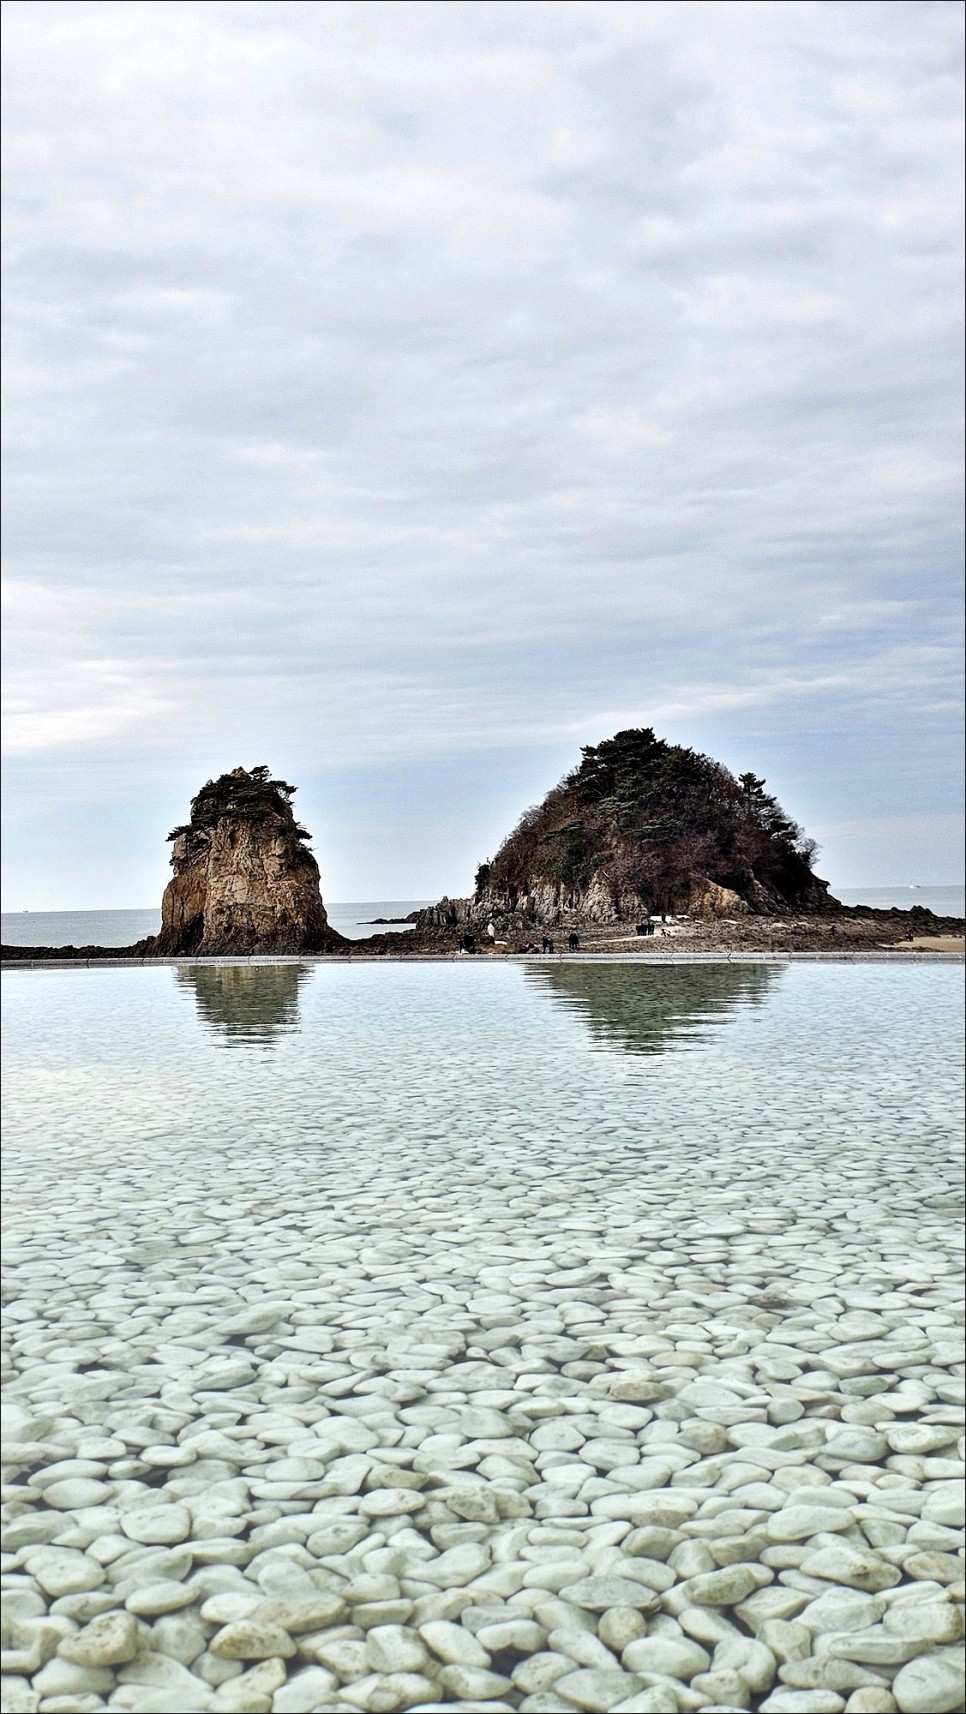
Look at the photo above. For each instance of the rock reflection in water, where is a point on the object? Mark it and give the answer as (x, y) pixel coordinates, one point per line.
(246, 1002)
(640, 1007)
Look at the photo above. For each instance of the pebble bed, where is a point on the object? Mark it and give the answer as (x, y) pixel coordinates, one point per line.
(442, 1338)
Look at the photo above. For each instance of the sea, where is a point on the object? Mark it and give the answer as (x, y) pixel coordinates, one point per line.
(355, 920)
(122, 928)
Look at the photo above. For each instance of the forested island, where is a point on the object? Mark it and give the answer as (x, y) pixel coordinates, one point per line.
(640, 838)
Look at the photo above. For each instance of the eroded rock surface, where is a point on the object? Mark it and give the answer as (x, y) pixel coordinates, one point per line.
(244, 879)
(643, 826)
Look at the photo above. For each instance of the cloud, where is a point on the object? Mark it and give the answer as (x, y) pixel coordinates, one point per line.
(396, 382)
(624, 430)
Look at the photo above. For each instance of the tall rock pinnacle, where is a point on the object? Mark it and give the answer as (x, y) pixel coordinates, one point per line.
(244, 880)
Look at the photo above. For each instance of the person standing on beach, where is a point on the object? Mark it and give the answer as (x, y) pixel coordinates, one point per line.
(491, 932)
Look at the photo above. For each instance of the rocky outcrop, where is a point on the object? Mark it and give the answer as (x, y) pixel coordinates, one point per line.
(244, 879)
(639, 828)
(711, 903)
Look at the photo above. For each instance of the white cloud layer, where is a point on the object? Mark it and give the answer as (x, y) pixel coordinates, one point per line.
(389, 383)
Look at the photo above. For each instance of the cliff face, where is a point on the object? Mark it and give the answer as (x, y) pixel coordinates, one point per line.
(639, 827)
(244, 881)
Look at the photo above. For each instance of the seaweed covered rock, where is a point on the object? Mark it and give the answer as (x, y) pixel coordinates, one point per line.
(642, 826)
(244, 879)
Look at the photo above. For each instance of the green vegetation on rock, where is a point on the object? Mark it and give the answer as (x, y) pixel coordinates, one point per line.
(645, 823)
(247, 795)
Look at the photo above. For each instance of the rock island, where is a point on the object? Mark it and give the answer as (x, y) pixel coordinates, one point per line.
(641, 838)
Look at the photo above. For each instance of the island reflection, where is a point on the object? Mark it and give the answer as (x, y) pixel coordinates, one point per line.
(641, 1008)
(245, 1003)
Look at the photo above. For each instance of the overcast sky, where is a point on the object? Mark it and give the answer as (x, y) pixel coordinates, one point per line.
(404, 394)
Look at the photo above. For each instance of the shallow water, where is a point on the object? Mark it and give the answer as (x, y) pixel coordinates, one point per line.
(481, 1199)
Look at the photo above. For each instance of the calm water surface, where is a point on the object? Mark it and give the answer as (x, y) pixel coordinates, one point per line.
(123, 928)
(216, 1054)
(450, 1201)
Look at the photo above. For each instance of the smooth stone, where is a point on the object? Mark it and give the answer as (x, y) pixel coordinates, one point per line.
(620, 1626)
(828, 1672)
(799, 1523)
(936, 1623)
(393, 1648)
(255, 1318)
(154, 1671)
(161, 1525)
(453, 1644)
(231, 1604)
(180, 1635)
(656, 1699)
(648, 1507)
(803, 1702)
(142, 1569)
(540, 1672)
(933, 1566)
(871, 1699)
(252, 1691)
(476, 1504)
(383, 1692)
(595, 1689)
(76, 1493)
(843, 1564)
(946, 1506)
(598, 1594)
(19, 1697)
(786, 1638)
(34, 1530)
(167, 1457)
(343, 1655)
(724, 1588)
(516, 1636)
(721, 1688)
(473, 1683)
(64, 1571)
(674, 1657)
(68, 1678)
(582, 1646)
(457, 1566)
(156, 1598)
(753, 1661)
(371, 1613)
(929, 1686)
(856, 1445)
(842, 1609)
(299, 1614)
(109, 1640)
(339, 1536)
(876, 1647)
(651, 1542)
(305, 1691)
(391, 1502)
(919, 1437)
(251, 1639)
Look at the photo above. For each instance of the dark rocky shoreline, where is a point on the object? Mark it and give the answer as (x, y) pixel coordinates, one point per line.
(852, 928)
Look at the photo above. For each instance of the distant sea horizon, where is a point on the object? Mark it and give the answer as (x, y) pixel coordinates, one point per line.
(354, 919)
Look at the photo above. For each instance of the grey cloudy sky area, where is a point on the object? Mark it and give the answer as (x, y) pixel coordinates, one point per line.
(403, 394)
